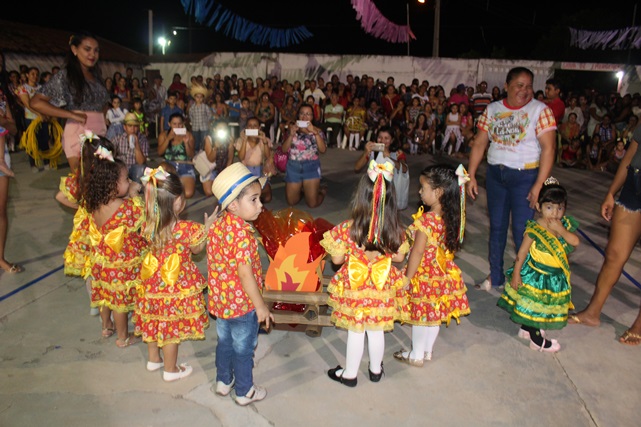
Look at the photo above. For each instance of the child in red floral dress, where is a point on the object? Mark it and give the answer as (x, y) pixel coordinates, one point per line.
(436, 291)
(363, 291)
(70, 194)
(235, 282)
(117, 247)
(170, 307)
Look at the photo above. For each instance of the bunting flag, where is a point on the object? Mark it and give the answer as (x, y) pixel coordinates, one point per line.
(377, 25)
(208, 12)
(621, 39)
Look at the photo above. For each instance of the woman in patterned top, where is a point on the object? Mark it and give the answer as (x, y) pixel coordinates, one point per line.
(77, 93)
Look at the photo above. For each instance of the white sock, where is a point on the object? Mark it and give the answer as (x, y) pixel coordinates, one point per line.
(355, 346)
(376, 349)
(419, 341)
(432, 333)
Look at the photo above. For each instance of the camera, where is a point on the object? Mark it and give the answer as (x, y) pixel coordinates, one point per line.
(378, 146)
(302, 123)
(251, 132)
(221, 134)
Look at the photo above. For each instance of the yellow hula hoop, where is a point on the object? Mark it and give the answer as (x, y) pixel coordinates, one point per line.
(30, 144)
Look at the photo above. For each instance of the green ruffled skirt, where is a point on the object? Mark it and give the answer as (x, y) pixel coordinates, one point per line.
(542, 301)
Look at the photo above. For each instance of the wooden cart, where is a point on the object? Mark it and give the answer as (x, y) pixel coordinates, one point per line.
(316, 314)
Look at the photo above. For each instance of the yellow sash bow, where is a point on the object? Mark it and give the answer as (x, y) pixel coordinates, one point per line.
(79, 217)
(359, 272)
(169, 271)
(113, 239)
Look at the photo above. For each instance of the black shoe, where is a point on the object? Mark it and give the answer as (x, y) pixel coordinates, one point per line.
(345, 381)
(376, 377)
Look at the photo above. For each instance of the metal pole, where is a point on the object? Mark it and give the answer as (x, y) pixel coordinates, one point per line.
(437, 28)
(634, 16)
(408, 28)
(151, 32)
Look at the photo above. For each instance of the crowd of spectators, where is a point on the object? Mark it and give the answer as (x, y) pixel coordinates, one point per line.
(593, 128)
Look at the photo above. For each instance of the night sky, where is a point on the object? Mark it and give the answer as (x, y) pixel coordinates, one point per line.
(479, 28)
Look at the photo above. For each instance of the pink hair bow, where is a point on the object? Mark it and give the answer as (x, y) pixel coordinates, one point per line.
(104, 154)
(155, 175)
(375, 169)
(463, 177)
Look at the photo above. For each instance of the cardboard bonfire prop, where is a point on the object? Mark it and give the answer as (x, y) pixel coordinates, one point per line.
(292, 238)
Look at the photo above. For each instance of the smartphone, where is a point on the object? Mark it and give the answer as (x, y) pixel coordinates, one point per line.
(251, 132)
(301, 123)
(180, 131)
(378, 146)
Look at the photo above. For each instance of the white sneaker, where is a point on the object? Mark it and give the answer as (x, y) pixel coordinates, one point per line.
(94, 311)
(223, 389)
(254, 395)
(428, 355)
(184, 370)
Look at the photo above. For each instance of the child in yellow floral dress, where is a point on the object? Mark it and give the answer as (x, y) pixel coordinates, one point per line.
(117, 247)
(436, 291)
(170, 307)
(363, 291)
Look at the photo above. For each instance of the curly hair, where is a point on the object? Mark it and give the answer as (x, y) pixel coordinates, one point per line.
(87, 161)
(361, 213)
(102, 185)
(159, 209)
(75, 76)
(443, 177)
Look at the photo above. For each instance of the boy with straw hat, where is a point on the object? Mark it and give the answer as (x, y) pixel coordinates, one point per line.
(235, 282)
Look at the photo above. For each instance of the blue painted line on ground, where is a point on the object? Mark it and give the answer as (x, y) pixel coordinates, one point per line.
(585, 236)
(33, 282)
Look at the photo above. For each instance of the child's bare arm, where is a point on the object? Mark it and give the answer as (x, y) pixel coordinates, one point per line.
(62, 199)
(416, 254)
(209, 220)
(520, 259)
(248, 281)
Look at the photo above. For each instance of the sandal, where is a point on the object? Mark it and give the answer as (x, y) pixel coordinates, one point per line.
(14, 269)
(485, 285)
(406, 359)
(630, 338)
(107, 332)
(131, 339)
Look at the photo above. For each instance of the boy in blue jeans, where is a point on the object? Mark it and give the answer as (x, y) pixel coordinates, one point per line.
(235, 282)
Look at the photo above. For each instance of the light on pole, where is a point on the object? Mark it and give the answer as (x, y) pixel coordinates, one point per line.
(163, 43)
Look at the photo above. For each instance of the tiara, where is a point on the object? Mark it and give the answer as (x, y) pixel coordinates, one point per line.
(551, 181)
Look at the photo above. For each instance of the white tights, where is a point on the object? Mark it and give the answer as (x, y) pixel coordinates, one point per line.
(355, 347)
(423, 338)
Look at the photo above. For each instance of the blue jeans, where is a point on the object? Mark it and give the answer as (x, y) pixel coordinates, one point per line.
(237, 339)
(507, 191)
(199, 139)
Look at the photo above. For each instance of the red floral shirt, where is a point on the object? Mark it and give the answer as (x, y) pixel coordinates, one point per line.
(231, 243)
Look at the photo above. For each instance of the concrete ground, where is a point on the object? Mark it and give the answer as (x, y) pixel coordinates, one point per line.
(56, 370)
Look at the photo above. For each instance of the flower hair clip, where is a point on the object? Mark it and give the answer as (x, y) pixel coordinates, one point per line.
(154, 175)
(104, 154)
(88, 135)
(551, 181)
(375, 169)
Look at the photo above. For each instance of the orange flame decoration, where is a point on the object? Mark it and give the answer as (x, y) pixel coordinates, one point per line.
(289, 270)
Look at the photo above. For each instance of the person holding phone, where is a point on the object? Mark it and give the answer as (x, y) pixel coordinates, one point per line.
(304, 143)
(255, 151)
(177, 147)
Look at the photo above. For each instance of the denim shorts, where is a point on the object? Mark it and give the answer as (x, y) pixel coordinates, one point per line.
(184, 169)
(302, 170)
(7, 160)
(630, 196)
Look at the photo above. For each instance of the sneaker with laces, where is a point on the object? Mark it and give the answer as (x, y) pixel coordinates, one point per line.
(223, 389)
(255, 394)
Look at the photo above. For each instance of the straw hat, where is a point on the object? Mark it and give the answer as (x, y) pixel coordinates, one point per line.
(197, 89)
(131, 119)
(231, 181)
